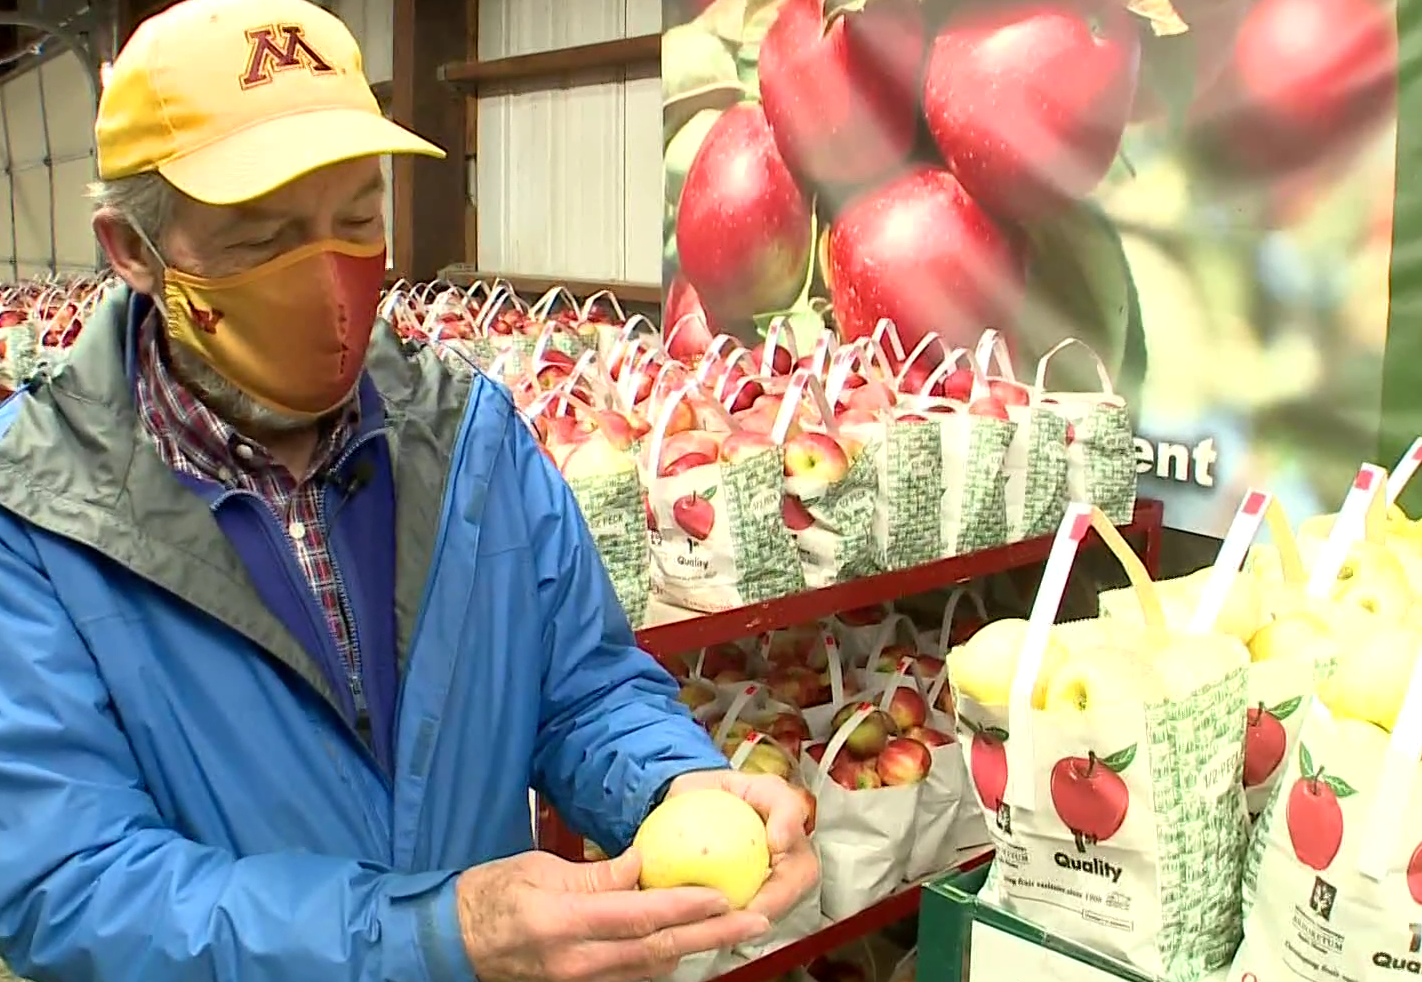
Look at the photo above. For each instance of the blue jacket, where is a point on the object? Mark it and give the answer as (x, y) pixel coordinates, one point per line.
(182, 795)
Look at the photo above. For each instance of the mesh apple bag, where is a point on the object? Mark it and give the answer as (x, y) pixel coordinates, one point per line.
(830, 488)
(607, 485)
(864, 831)
(1333, 878)
(718, 540)
(1110, 774)
(941, 482)
(1035, 466)
(1100, 444)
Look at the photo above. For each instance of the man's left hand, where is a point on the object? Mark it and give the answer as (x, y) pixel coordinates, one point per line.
(793, 866)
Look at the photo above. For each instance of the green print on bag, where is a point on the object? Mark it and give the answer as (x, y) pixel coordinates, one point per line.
(766, 557)
(977, 492)
(1044, 486)
(612, 507)
(911, 505)
(1106, 474)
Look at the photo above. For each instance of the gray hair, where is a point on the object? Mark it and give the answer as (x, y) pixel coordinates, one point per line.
(146, 200)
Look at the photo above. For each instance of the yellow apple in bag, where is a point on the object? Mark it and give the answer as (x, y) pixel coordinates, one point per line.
(1298, 633)
(1100, 679)
(1186, 663)
(1372, 676)
(982, 667)
(1373, 578)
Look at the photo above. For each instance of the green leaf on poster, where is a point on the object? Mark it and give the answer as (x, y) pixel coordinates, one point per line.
(759, 15)
(1168, 77)
(1164, 20)
(806, 316)
(724, 18)
(1079, 285)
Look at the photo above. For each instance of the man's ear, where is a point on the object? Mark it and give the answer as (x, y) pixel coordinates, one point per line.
(130, 259)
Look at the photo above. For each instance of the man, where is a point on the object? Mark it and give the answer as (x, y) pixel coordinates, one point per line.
(283, 643)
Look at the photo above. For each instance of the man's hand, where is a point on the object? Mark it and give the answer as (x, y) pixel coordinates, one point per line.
(535, 917)
(793, 866)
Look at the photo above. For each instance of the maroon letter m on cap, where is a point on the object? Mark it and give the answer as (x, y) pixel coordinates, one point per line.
(277, 49)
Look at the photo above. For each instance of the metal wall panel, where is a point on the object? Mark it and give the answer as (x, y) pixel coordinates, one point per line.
(7, 233)
(49, 124)
(372, 23)
(569, 180)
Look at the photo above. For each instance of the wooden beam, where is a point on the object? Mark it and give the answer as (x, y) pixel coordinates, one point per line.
(640, 293)
(640, 57)
(428, 224)
(471, 141)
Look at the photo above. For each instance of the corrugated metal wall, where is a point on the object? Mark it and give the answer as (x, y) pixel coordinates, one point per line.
(570, 180)
(372, 23)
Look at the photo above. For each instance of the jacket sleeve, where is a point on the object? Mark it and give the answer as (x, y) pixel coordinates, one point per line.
(611, 732)
(94, 887)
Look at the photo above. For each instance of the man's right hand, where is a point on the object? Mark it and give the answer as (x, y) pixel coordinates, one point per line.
(537, 918)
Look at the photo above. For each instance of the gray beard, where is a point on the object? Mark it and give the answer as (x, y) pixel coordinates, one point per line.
(226, 400)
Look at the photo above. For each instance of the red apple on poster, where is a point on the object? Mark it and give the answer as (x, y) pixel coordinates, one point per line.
(1313, 816)
(695, 515)
(1414, 874)
(1306, 80)
(1028, 102)
(1089, 795)
(687, 328)
(921, 252)
(987, 763)
(842, 100)
(1265, 741)
(743, 227)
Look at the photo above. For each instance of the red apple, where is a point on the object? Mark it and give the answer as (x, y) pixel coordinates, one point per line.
(1265, 742)
(782, 362)
(855, 775)
(929, 737)
(958, 385)
(989, 406)
(870, 736)
(816, 751)
(1028, 101)
(907, 708)
(987, 764)
(903, 761)
(744, 444)
(921, 252)
(1306, 79)
(1312, 816)
(719, 657)
(930, 666)
(686, 462)
(843, 101)
(743, 227)
(891, 655)
(695, 515)
(1008, 393)
(817, 456)
(1089, 796)
(1414, 874)
(794, 685)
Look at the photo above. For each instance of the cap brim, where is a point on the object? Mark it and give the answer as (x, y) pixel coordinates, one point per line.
(256, 161)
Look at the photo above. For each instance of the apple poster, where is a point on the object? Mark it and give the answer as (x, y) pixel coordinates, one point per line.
(1199, 191)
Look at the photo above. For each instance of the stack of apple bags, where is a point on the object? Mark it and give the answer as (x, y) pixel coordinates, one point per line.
(39, 321)
(1220, 773)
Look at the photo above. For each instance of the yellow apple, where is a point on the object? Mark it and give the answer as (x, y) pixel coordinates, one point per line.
(1297, 633)
(982, 668)
(1101, 678)
(1186, 663)
(1371, 679)
(705, 838)
(1373, 579)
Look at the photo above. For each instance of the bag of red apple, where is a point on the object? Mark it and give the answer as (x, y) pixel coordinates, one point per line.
(866, 782)
(967, 834)
(717, 537)
(830, 488)
(941, 483)
(504, 322)
(819, 694)
(932, 849)
(861, 630)
(953, 627)
(1333, 877)
(1100, 444)
(1109, 769)
(759, 753)
(559, 309)
(753, 709)
(1035, 467)
(878, 668)
(608, 489)
(453, 328)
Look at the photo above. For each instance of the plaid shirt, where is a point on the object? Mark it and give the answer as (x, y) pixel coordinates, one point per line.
(194, 440)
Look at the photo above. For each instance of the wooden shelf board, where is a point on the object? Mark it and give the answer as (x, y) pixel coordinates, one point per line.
(641, 55)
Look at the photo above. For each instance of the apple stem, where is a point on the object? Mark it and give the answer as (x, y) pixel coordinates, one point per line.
(1090, 763)
(1259, 715)
(1314, 779)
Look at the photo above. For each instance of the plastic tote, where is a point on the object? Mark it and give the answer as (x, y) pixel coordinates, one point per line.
(1333, 882)
(1121, 827)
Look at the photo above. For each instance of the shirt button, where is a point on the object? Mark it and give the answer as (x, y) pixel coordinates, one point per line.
(244, 451)
(296, 530)
(224, 475)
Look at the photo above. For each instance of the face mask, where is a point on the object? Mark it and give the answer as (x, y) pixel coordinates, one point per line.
(291, 333)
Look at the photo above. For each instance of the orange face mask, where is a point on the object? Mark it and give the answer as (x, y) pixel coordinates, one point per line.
(291, 333)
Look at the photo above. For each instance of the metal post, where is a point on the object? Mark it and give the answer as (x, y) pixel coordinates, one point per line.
(10, 174)
(49, 172)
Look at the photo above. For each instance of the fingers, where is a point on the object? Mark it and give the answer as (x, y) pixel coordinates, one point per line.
(619, 873)
(638, 914)
(782, 808)
(656, 954)
(792, 876)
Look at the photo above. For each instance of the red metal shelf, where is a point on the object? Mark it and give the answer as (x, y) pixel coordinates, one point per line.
(695, 631)
(867, 921)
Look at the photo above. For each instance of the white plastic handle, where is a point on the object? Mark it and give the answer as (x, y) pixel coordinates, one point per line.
(1241, 534)
(1348, 528)
(834, 661)
(1021, 785)
(734, 710)
(992, 353)
(1102, 376)
(837, 741)
(1402, 473)
(1395, 783)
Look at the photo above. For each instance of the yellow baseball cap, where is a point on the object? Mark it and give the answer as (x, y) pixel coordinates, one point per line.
(231, 99)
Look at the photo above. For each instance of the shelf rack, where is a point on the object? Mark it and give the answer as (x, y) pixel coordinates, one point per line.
(674, 630)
